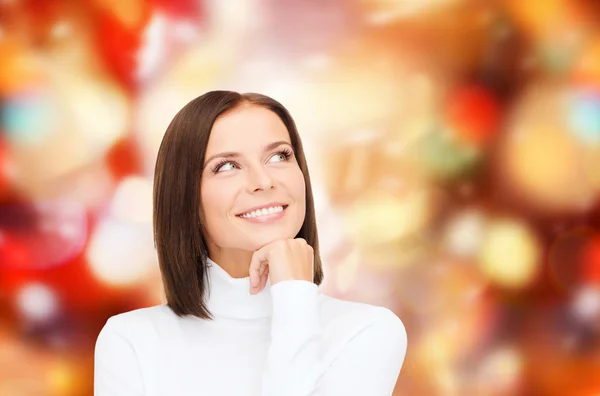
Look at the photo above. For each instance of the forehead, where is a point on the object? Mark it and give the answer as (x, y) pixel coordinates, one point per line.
(246, 128)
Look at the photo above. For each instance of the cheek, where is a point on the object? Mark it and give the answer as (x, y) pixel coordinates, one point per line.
(215, 202)
(299, 187)
(217, 195)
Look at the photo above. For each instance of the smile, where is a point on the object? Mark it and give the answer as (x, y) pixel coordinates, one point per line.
(263, 212)
(264, 215)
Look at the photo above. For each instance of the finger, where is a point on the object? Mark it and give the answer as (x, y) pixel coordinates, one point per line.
(264, 273)
(263, 279)
(255, 263)
(263, 267)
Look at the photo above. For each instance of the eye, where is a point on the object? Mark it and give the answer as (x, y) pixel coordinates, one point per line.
(226, 166)
(282, 155)
(223, 166)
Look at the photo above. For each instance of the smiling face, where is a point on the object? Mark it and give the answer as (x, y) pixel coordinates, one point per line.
(250, 164)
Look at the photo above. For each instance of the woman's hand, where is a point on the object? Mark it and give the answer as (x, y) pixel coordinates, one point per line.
(283, 260)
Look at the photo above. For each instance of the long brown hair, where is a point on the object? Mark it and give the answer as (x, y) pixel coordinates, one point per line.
(178, 219)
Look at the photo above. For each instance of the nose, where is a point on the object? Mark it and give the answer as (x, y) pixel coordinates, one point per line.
(259, 179)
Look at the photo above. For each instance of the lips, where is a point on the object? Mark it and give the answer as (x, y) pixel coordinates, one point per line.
(265, 216)
(267, 206)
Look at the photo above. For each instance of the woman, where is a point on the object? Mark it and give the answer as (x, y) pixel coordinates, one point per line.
(236, 236)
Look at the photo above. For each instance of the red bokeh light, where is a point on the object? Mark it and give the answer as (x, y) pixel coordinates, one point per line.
(591, 261)
(473, 114)
(124, 158)
(118, 45)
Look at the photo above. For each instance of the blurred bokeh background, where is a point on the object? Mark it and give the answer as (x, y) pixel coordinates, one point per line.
(454, 147)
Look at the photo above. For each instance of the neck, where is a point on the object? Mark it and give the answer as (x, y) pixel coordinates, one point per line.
(235, 262)
(230, 297)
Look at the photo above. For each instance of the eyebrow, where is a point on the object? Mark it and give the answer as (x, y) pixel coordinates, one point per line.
(232, 154)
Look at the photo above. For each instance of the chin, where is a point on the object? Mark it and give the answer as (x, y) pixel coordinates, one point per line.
(263, 240)
(260, 242)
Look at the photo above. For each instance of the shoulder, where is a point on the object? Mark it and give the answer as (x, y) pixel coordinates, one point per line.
(360, 318)
(136, 323)
(126, 351)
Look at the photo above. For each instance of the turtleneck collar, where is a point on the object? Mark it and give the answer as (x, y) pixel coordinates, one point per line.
(230, 297)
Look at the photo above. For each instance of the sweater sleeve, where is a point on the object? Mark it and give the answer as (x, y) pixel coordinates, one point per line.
(368, 363)
(116, 370)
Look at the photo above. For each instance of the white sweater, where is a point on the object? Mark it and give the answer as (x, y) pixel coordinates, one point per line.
(288, 340)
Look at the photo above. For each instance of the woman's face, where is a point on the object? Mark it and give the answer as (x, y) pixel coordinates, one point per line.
(250, 164)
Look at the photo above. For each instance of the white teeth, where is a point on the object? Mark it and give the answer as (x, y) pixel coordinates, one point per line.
(263, 212)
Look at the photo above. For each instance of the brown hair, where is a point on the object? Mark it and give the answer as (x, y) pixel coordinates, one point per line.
(177, 217)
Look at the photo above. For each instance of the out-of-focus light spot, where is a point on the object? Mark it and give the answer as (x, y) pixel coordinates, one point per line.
(540, 20)
(152, 53)
(378, 217)
(93, 114)
(184, 31)
(541, 161)
(29, 117)
(443, 156)
(591, 261)
(584, 115)
(436, 351)
(90, 187)
(61, 30)
(502, 368)
(37, 302)
(332, 101)
(130, 13)
(132, 201)
(586, 303)
(587, 69)
(62, 378)
(386, 11)
(14, 252)
(100, 111)
(464, 233)
(473, 114)
(123, 158)
(558, 50)
(121, 253)
(62, 231)
(232, 18)
(20, 69)
(522, 266)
